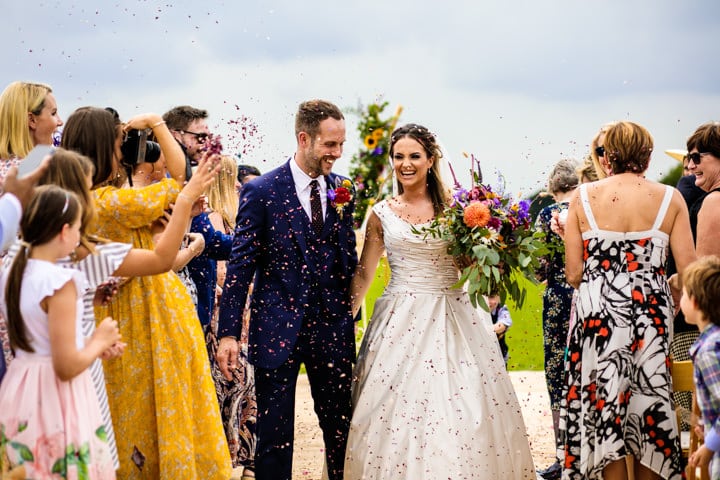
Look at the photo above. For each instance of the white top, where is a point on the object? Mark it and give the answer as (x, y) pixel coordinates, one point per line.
(42, 279)
(302, 188)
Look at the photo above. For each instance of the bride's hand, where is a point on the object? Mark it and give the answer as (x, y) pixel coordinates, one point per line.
(462, 261)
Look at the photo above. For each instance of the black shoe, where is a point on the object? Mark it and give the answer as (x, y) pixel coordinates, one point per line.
(553, 472)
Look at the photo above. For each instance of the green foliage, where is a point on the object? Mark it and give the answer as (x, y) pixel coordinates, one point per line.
(673, 176)
(493, 239)
(369, 167)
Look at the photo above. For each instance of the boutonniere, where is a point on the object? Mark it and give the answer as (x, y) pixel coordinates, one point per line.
(341, 195)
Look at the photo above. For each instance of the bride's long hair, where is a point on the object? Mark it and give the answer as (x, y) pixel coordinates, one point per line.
(436, 188)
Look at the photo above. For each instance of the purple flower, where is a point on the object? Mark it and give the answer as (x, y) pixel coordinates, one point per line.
(524, 210)
(460, 196)
(378, 151)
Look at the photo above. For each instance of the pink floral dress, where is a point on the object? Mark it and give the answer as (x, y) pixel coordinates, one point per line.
(51, 427)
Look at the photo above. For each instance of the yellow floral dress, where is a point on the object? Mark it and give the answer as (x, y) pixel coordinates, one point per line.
(161, 394)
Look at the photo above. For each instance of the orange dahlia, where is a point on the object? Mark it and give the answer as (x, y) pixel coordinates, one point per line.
(477, 214)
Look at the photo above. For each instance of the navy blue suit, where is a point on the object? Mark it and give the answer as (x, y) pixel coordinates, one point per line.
(300, 313)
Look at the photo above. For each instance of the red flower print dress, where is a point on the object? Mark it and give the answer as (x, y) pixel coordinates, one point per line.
(618, 400)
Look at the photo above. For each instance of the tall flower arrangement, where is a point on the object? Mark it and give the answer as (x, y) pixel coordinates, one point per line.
(369, 167)
(492, 238)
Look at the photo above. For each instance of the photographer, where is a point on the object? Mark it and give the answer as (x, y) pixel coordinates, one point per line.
(188, 126)
(160, 391)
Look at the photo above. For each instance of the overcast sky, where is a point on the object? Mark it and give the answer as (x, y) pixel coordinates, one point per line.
(519, 83)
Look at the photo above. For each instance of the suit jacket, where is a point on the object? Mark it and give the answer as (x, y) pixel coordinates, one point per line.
(300, 280)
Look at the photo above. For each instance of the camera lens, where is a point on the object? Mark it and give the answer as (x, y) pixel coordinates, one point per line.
(152, 152)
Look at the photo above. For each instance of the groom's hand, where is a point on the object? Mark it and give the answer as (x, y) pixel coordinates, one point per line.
(226, 356)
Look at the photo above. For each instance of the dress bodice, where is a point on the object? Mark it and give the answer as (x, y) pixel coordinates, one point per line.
(418, 262)
(42, 279)
(635, 253)
(125, 214)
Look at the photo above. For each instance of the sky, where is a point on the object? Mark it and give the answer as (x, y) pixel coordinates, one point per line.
(520, 84)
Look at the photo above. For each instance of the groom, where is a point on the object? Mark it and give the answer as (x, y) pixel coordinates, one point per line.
(299, 250)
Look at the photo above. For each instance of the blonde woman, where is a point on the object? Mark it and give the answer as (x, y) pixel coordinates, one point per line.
(597, 152)
(223, 201)
(28, 117)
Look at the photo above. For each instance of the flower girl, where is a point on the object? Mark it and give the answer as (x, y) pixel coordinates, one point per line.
(50, 424)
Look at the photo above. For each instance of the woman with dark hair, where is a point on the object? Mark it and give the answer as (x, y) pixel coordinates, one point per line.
(161, 394)
(431, 396)
(617, 236)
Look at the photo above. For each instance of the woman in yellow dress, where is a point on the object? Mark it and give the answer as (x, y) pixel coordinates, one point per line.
(161, 394)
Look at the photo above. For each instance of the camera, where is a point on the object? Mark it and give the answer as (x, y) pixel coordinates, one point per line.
(136, 148)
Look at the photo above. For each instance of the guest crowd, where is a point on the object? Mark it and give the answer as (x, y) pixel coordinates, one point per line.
(157, 300)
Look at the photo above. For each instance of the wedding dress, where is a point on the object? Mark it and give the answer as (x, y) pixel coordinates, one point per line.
(431, 396)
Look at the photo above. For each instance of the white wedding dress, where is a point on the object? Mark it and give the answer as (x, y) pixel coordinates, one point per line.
(431, 396)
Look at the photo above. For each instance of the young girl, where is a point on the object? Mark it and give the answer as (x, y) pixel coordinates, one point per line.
(50, 422)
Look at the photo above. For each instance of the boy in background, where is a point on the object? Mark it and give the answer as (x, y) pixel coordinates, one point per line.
(501, 322)
(701, 306)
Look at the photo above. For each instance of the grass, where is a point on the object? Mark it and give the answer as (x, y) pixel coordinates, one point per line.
(525, 337)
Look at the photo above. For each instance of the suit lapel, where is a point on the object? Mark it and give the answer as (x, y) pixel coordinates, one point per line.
(296, 215)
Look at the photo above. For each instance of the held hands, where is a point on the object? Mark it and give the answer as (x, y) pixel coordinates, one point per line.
(196, 242)
(114, 351)
(227, 356)
(105, 292)
(205, 173)
(701, 457)
(499, 329)
(557, 223)
(107, 333)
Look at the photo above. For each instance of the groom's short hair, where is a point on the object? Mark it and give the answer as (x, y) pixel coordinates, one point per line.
(311, 113)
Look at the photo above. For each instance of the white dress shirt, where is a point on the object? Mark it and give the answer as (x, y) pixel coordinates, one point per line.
(302, 188)
(10, 213)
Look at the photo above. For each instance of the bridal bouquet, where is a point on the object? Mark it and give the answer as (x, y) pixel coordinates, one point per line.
(492, 239)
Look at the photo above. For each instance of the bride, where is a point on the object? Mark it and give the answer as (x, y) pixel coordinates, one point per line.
(431, 396)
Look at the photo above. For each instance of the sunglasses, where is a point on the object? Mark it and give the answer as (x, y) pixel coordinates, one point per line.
(600, 151)
(200, 137)
(695, 157)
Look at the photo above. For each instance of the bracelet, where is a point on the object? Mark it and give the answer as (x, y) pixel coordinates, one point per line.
(161, 122)
(186, 197)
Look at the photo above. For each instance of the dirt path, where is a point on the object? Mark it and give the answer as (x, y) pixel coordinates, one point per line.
(531, 392)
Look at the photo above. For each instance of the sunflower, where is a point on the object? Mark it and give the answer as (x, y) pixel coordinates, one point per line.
(378, 134)
(370, 142)
(477, 214)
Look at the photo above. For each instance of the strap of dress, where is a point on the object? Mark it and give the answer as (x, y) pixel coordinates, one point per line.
(663, 207)
(586, 207)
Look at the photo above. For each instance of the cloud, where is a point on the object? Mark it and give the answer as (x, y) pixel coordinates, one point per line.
(520, 84)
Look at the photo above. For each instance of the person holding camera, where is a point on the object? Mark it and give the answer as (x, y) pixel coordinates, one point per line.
(188, 125)
(161, 394)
